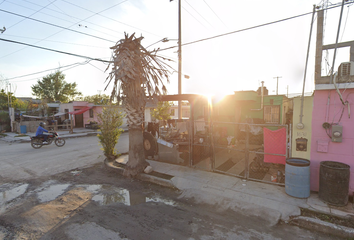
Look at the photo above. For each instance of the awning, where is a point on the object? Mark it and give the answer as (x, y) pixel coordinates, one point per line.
(80, 111)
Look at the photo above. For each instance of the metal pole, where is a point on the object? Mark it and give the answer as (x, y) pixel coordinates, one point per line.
(277, 83)
(307, 58)
(335, 47)
(179, 60)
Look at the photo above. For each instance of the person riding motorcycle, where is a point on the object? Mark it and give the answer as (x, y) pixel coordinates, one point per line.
(42, 132)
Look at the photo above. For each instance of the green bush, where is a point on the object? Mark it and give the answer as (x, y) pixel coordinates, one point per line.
(4, 117)
(109, 121)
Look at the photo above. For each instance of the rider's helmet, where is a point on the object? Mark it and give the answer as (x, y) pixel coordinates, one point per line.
(42, 124)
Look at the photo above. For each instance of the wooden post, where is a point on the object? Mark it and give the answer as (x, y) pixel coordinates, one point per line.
(71, 123)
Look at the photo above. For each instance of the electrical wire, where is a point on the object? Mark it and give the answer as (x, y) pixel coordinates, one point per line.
(193, 16)
(31, 14)
(112, 19)
(345, 24)
(91, 23)
(63, 18)
(54, 25)
(198, 12)
(250, 28)
(30, 74)
(40, 40)
(214, 13)
(53, 50)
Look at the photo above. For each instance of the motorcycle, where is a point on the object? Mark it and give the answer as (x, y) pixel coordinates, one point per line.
(37, 142)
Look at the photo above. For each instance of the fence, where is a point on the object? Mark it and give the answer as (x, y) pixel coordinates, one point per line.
(251, 151)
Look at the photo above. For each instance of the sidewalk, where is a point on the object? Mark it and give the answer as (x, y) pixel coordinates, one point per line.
(78, 132)
(266, 201)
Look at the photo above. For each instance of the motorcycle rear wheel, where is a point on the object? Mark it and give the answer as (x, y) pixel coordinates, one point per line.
(60, 142)
(36, 143)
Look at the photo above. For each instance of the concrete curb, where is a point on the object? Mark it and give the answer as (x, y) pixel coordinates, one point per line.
(322, 226)
(142, 176)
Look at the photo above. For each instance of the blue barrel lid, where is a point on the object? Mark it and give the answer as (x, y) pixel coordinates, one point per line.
(300, 162)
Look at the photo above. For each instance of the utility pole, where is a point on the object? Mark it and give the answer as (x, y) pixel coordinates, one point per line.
(277, 82)
(287, 91)
(179, 60)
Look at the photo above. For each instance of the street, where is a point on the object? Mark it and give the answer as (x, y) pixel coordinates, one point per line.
(19, 161)
(71, 195)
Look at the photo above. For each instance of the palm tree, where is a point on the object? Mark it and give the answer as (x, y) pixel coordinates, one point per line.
(136, 75)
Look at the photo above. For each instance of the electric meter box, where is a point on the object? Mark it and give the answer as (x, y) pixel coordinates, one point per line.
(337, 132)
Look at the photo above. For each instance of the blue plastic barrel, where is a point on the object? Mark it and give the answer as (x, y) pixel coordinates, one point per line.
(23, 129)
(297, 177)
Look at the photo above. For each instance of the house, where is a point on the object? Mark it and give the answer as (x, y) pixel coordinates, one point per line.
(323, 123)
(255, 107)
(173, 110)
(83, 113)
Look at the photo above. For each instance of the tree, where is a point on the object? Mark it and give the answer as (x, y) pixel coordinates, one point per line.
(54, 88)
(137, 74)
(162, 112)
(110, 120)
(97, 99)
(7, 99)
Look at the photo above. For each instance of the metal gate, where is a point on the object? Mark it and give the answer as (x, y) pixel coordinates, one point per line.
(251, 151)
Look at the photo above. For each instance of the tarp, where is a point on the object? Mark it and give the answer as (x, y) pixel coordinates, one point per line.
(80, 111)
(59, 114)
(274, 143)
(33, 116)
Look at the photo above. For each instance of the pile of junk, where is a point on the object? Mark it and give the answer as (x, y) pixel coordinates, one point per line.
(171, 141)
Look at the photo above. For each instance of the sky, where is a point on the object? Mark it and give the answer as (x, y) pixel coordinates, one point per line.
(234, 61)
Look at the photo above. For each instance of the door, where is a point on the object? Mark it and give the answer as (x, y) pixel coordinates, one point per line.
(79, 120)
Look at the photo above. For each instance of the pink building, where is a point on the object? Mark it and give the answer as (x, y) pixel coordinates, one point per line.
(332, 124)
(83, 113)
(328, 110)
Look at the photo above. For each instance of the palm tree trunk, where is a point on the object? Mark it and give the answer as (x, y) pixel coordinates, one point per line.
(136, 163)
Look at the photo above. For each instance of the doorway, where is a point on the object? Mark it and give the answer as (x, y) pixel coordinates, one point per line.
(79, 120)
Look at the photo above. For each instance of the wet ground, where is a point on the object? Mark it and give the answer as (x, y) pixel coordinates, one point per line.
(94, 203)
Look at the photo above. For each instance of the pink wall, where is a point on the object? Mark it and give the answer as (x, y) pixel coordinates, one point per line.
(96, 110)
(339, 152)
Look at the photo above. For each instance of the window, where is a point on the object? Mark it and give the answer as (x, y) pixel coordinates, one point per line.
(185, 113)
(91, 113)
(172, 112)
(272, 114)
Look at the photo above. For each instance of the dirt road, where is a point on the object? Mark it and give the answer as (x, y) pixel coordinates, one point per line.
(94, 203)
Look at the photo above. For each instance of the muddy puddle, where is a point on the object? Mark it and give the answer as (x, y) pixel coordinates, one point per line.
(52, 192)
(9, 192)
(101, 194)
(105, 195)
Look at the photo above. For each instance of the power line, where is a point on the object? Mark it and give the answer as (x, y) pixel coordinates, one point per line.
(39, 40)
(30, 74)
(32, 14)
(214, 13)
(112, 19)
(250, 28)
(53, 50)
(59, 31)
(193, 16)
(197, 12)
(54, 25)
(65, 19)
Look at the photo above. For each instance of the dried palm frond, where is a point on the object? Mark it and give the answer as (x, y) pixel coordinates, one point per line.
(136, 72)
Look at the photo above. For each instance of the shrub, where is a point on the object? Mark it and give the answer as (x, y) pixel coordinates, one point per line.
(109, 121)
